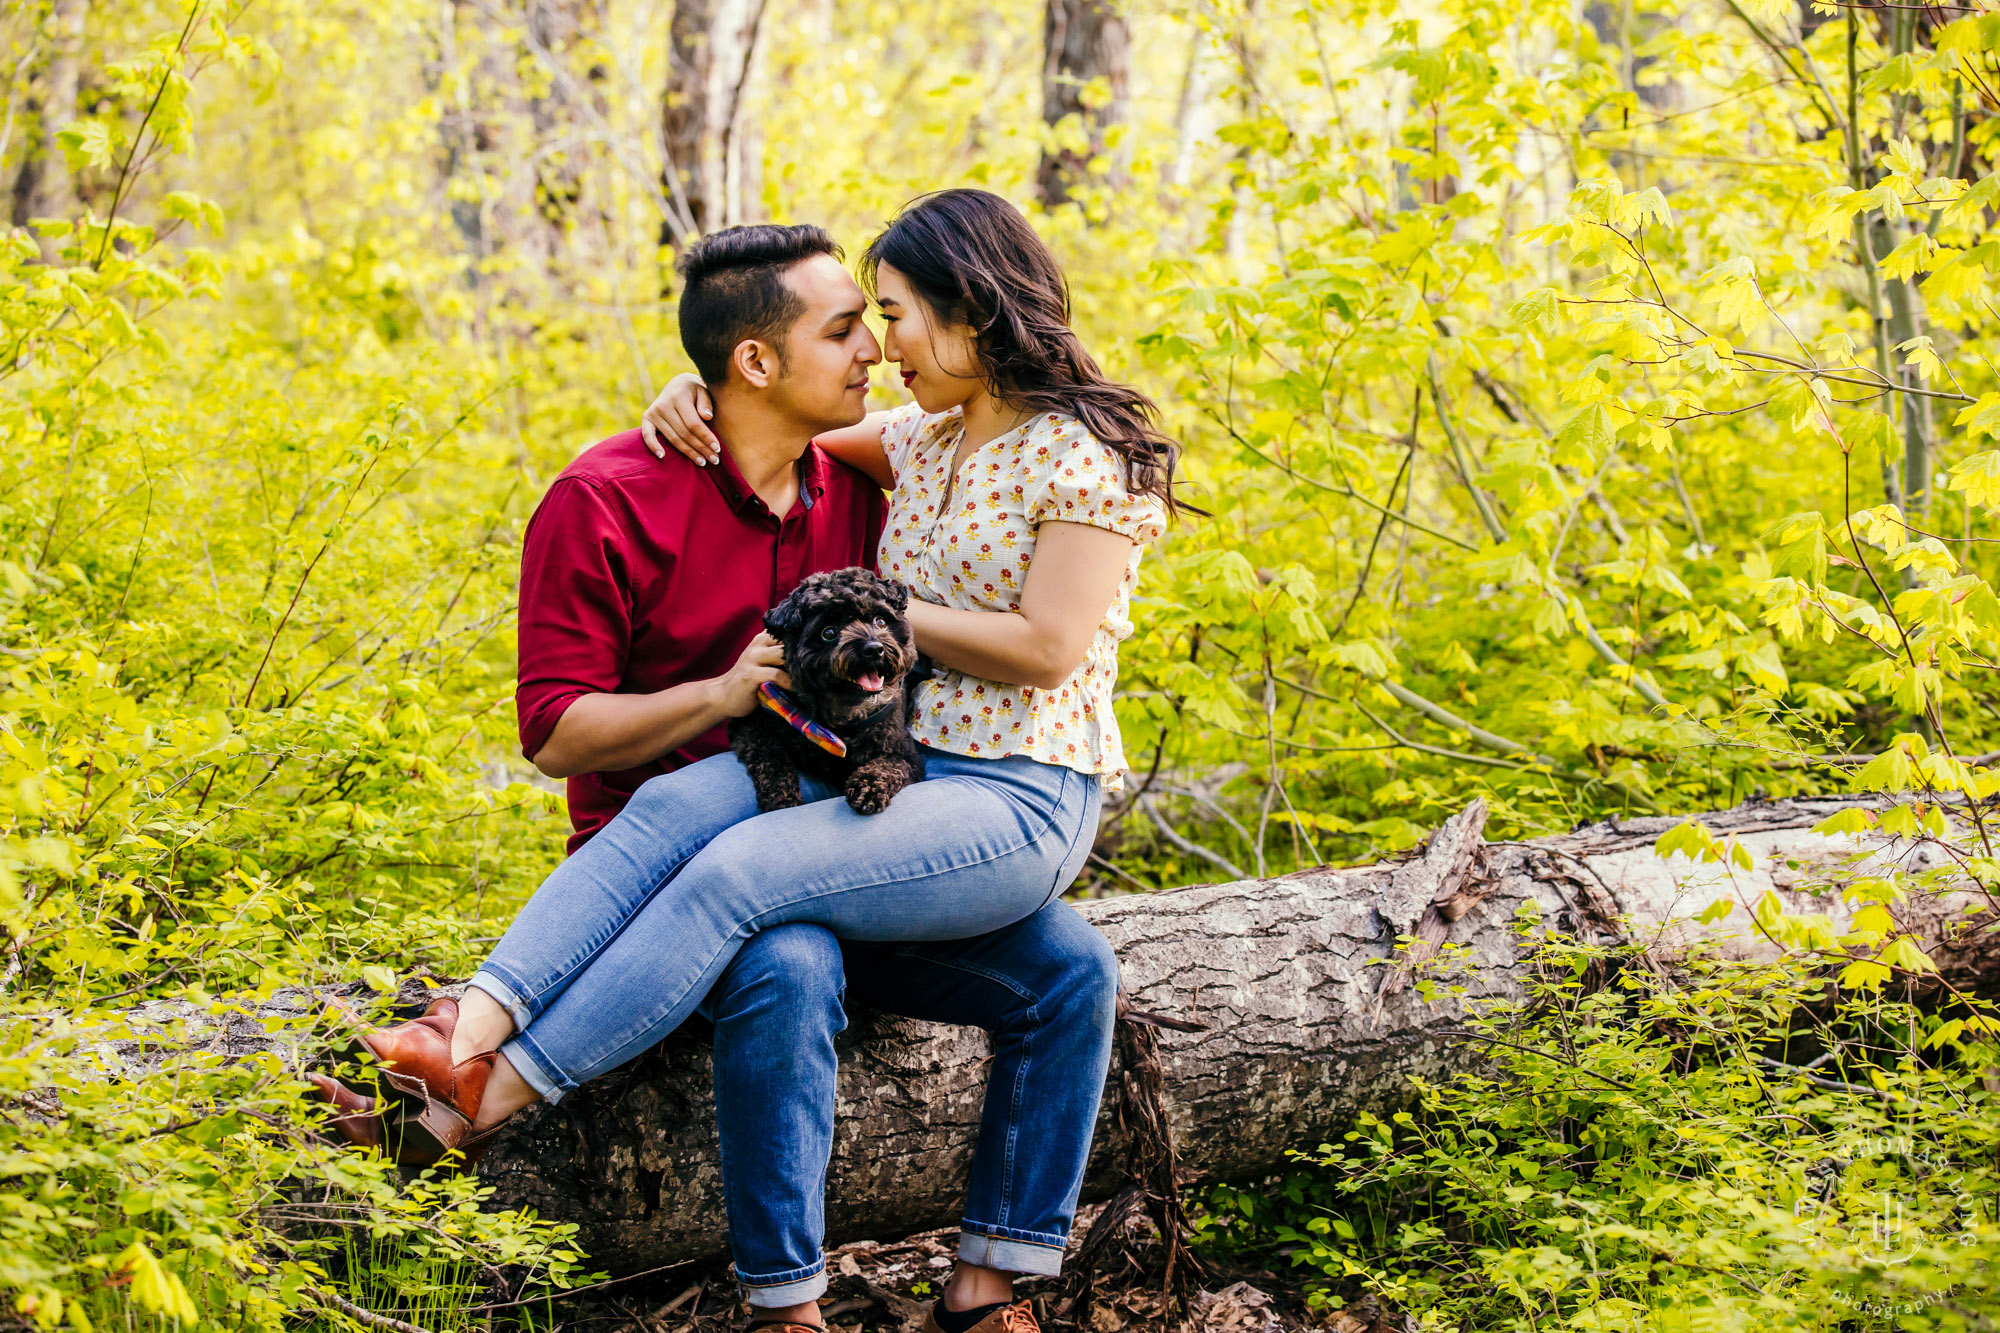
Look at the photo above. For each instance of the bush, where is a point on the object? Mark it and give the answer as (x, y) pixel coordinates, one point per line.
(1729, 1145)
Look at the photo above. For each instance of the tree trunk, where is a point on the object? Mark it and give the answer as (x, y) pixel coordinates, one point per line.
(713, 151)
(43, 187)
(1194, 115)
(1083, 41)
(1301, 1025)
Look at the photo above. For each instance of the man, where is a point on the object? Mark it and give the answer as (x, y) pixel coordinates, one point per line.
(643, 586)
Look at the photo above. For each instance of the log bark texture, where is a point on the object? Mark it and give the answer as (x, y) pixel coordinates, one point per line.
(1304, 1025)
(1299, 1034)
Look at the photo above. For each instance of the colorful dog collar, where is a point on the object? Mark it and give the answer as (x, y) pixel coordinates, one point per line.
(786, 707)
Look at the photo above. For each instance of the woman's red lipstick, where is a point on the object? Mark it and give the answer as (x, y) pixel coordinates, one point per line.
(909, 378)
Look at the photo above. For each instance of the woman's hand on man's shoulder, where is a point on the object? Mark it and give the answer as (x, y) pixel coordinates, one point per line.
(679, 417)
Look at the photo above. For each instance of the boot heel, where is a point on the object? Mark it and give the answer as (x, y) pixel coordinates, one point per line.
(424, 1135)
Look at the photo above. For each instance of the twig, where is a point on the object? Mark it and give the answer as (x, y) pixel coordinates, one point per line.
(1352, 494)
(1605, 651)
(1127, 876)
(138, 135)
(1533, 763)
(1479, 500)
(1167, 831)
(1368, 564)
(1831, 1084)
(578, 1291)
(361, 1316)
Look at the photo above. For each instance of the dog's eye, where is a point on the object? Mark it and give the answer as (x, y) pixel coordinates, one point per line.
(881, 623)
(827, 634)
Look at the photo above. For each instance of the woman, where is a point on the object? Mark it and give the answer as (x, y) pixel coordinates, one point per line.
(1025, 486)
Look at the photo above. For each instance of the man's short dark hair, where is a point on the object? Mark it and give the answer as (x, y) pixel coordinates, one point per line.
(734, 288)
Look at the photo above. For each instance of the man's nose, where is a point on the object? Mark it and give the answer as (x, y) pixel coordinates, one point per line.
(871, 351)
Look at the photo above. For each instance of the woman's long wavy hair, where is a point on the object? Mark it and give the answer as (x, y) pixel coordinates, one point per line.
(973, 259)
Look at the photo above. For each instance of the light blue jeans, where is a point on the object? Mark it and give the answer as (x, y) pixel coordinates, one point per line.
(691, 901)
(628, 936)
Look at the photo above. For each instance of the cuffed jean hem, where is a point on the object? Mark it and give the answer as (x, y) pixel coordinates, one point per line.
(1009, 1251)
(527, 1062)
(504, 994)
(793, 1288)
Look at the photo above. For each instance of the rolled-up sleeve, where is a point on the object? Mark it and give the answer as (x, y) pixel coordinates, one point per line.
(576, 614)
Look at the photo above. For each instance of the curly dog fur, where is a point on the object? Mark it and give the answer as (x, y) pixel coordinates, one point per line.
(854, 667)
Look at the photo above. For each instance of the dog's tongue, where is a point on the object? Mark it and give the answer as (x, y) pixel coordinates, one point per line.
(870, 682)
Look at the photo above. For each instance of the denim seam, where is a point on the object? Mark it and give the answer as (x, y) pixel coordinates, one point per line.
(556, 1074)
(1046, 1239)
(998, 978)
(785, 1278)
(750, 927)
(1056, 887)
(1014, 1119)
(1032, 1014)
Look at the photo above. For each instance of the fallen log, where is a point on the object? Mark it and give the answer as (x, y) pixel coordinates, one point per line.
(1299, 1033)
(1306, 1019)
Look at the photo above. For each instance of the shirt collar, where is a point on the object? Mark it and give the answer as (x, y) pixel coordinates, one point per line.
(811, 468)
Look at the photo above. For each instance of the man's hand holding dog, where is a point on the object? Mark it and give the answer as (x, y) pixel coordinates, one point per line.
(762, 660)
(604, 733)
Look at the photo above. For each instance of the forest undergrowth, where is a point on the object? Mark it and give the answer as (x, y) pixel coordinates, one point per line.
(1596, 413)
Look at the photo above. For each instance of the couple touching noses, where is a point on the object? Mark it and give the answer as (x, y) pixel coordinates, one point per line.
(1023, 488)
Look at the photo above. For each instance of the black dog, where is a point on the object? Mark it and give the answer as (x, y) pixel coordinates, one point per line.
(853, 666)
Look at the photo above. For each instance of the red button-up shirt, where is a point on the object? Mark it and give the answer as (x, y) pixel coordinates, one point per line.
(639, 573)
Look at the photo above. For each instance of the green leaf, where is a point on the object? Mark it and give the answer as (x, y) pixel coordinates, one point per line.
(1854, 819)
(1977, 478)
(1537, 310)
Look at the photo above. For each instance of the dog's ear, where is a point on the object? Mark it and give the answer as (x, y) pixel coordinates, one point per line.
(783, 619)
(897, 595)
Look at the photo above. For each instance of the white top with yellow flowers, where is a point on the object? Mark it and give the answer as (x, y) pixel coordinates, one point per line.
(976, 557)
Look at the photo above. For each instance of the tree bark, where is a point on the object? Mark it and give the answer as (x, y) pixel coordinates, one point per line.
(43, 187)
(1083, 41)
(1302, 1023)
(714, 151)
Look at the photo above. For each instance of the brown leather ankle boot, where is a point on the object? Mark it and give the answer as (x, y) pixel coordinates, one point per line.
(433, 1102)
(439, 1125)
(415, 1057)
(360, 1121)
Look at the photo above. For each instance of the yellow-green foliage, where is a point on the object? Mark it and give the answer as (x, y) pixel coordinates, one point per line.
(1740, 1149)
(1530, 370)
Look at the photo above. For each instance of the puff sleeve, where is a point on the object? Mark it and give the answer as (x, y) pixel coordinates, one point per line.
(1079, 479)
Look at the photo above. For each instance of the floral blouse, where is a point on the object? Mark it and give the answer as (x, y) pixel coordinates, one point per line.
(976, 557)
